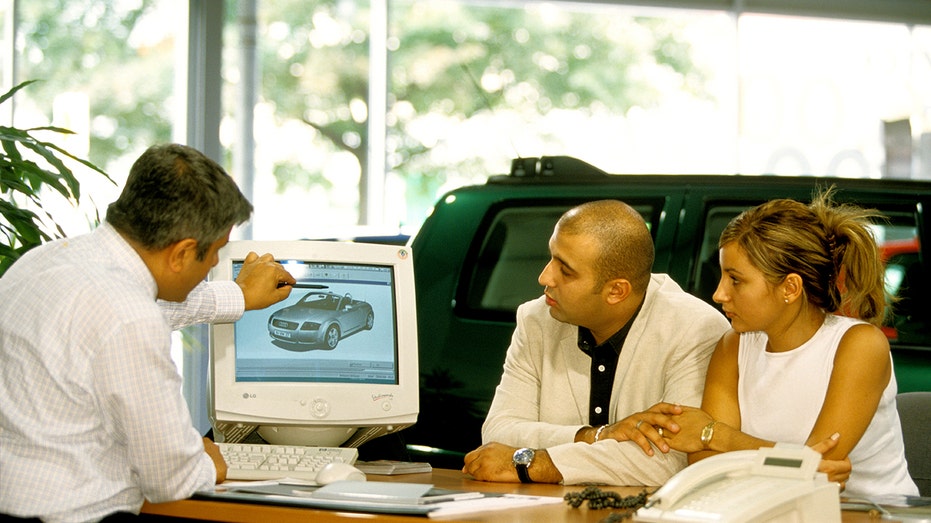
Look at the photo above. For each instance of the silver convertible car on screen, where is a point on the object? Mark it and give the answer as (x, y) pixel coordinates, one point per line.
(320, 319)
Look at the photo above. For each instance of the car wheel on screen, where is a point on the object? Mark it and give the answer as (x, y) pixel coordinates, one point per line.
(331, 338)
(370, 321)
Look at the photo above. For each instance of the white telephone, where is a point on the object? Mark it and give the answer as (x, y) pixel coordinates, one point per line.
(778, 484)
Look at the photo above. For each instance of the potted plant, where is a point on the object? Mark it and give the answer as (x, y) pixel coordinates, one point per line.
(22, 181)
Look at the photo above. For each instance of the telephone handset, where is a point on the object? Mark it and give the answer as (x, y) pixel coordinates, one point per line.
(770, 484)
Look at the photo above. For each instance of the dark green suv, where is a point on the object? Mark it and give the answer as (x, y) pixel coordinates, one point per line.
(478, 255)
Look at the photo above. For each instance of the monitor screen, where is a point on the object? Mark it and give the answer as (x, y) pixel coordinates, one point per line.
(339, 354)
(332, 306)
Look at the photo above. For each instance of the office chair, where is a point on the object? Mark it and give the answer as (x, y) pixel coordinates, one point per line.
(915, 414)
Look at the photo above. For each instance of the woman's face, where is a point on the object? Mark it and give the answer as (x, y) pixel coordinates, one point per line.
(747, 299)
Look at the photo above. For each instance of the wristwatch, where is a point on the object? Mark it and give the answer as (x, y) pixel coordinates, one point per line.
(706, 434)
(522, 460)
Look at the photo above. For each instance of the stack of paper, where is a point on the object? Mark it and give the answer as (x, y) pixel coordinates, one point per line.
(378, 497)
(391, 467)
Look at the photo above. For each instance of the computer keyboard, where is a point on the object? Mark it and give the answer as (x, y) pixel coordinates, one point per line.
(252, 461)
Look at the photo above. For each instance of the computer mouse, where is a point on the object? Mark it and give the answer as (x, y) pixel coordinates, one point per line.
(337, 472)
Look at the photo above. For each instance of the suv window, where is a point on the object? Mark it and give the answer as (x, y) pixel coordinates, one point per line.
(513, 251)
(708, 270)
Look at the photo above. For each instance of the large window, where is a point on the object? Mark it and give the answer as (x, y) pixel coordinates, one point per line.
(831, 97)
(296, 98)
(341, 113)
(368, 112)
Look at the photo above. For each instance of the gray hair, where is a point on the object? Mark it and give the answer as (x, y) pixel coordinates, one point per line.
(175, 192)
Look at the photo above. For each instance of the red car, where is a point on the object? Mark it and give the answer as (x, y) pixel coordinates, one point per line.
(903, 281)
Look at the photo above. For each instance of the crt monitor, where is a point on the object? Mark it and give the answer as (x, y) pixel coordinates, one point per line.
(335, 364)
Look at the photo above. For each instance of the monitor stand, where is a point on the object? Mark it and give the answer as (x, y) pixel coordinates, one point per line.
(307, 436)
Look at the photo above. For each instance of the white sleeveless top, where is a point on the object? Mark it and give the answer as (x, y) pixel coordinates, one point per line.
(781, 394)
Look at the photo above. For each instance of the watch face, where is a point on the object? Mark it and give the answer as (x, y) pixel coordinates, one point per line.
(523, 456)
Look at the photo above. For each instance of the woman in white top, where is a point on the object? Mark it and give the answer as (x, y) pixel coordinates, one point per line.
(796, 366)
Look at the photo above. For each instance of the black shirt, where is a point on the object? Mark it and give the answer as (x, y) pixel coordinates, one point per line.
(604, 365)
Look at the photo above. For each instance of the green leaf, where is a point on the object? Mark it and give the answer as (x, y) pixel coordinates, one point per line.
(13, 91)
(9, 140)
(55, 178)
(10, 134)
(6, 251)
(22, 229)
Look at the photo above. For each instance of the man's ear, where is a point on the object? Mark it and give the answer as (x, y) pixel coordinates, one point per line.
(181, 253)
(617, 290)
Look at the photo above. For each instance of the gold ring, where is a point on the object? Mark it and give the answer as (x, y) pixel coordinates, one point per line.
(637, 426)
(660, 430)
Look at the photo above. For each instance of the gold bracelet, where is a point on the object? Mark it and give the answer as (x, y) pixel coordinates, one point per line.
(598, 432)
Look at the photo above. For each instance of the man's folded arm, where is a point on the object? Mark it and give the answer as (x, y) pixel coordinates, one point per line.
(612, 462)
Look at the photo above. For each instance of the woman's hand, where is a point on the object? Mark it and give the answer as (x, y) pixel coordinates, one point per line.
(690, 422)
(837, 470)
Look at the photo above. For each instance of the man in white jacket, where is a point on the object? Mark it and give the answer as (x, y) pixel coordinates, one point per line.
(592, 358)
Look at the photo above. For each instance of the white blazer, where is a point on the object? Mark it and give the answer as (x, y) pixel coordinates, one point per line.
(542, 399)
